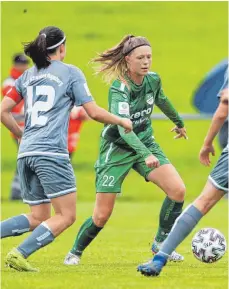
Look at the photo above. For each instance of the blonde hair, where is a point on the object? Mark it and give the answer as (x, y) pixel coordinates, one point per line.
(112, 61)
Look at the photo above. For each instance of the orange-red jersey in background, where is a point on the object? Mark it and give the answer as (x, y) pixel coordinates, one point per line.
(77, 116)
(18, 110)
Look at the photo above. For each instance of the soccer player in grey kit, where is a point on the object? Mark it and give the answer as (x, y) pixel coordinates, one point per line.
(50, 89)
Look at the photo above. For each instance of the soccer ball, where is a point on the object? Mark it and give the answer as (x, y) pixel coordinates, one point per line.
(209, 245)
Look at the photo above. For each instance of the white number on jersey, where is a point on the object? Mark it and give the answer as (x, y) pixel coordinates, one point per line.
(33, 109)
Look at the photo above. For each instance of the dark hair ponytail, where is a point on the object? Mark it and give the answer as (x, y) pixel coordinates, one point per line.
(46, 43)
(36, 50)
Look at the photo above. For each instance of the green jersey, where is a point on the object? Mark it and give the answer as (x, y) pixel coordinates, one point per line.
(136, 102)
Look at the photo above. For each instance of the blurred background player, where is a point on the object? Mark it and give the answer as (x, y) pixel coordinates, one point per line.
(77, 116)
(19, 65)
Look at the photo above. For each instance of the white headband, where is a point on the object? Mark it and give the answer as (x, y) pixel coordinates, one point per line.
(56, 45)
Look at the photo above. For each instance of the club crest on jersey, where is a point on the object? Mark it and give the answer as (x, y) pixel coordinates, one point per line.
(150, 98)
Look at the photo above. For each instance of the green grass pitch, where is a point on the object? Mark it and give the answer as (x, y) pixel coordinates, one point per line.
(187, 39)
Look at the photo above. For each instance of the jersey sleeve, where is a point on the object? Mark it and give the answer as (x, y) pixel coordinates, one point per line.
(79, 88)
(134, 142)
(119, 103)
(160, 95)
(164, 104)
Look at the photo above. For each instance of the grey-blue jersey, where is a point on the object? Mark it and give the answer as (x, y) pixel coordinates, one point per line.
(49, 96)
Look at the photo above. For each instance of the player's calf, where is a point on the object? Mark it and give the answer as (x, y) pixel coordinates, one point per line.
(14, 226)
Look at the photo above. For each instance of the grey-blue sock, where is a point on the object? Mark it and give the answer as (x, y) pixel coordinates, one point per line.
(181, 229)
(14, 226)
(39, 238)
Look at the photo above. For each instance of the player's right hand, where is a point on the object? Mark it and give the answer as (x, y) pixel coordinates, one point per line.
(205, 153)
(181, 132)
(126, 124)
(152, 162)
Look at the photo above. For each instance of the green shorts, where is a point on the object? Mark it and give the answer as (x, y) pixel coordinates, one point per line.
(114, 163)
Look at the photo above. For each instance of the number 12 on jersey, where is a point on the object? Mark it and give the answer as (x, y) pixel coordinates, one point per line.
(35, 106)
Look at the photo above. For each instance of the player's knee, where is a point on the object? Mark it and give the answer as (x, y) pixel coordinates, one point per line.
(100, 219)
(182, 191)
(70, 220)
(36, 220)
(204, 203)
(178, 193)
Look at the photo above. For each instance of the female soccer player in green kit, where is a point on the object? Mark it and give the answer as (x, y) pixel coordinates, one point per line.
(132, 95)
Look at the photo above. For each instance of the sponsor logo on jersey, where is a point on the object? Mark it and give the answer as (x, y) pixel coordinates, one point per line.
(142, 113)
(123, 108)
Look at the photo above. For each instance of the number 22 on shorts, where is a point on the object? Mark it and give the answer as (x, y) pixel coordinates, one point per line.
(108, 181)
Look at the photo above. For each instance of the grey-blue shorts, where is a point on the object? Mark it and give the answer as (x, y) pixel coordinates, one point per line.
(219, 175)
(45, 177)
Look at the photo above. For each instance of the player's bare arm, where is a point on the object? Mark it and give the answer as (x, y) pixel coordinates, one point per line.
(101, 115)
(7, 119)
(217, 122)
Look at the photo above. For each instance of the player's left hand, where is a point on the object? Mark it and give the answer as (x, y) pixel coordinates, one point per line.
(181, 132)
(205, 153)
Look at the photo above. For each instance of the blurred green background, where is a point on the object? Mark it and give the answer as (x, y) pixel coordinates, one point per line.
(188, 39)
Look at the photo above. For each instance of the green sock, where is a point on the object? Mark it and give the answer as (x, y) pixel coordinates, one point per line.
(170, 210)
(88, 231)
